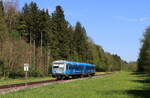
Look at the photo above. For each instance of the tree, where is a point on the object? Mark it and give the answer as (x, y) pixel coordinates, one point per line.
(144, 56)
(1, 9)
(2, 22)
(81, 43)
(3, 29)
(33, 22)
(132, 66)
(59, 35)
(2, 33)
(11, 15)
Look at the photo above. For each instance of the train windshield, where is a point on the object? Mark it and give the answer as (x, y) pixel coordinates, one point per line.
(55, 66)
(58, 66)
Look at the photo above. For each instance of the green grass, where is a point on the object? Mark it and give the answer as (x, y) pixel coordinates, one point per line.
(118, 85)
(23, 80)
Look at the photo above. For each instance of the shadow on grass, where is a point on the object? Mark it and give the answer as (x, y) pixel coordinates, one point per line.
(141, 92)
(140, 74)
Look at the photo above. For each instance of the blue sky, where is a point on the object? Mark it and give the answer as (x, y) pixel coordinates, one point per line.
(116, 25)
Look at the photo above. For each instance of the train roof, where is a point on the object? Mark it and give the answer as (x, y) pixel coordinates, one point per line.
(72, 62)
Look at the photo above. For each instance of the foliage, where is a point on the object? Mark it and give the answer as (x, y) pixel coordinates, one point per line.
(11, 15)
(144, 56)
(59, 37)
(133, 66)
(34, 36)
(15, 35)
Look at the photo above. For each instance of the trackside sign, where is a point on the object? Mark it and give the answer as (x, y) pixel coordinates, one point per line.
(26, 67)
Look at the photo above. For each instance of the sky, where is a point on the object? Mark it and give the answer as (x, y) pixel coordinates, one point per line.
(116, 25)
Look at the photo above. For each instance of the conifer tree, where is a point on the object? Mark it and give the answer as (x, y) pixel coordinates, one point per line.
(144, 56)
(59, 35)
(33, 22)
(79, 39)
(82, 46)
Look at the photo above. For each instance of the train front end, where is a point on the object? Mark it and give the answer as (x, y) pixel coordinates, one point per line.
(58, 69)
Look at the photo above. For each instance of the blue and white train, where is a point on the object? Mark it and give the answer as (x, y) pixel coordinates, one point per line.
(65, 69)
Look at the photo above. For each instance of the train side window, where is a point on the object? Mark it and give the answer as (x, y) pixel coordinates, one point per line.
(79, 67)
(87, 67)
(82, 67)
(76, 67)
(73, 66)
(70, 67)
(67, 66)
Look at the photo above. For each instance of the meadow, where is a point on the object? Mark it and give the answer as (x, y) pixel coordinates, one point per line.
(117, 85)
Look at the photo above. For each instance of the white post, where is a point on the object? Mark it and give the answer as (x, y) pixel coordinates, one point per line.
(26, 69)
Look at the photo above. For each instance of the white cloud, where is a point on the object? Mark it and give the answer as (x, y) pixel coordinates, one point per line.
(144, 19)
(141, 19)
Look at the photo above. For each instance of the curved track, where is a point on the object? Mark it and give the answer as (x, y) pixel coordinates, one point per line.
(16, 87)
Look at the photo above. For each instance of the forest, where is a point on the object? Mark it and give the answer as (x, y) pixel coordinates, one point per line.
(35, 36)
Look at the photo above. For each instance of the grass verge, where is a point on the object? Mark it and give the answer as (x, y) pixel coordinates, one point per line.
(23, 80)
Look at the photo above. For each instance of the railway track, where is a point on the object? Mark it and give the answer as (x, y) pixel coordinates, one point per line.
(20, 86)
(24, 84)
